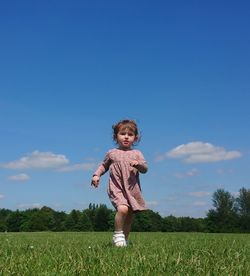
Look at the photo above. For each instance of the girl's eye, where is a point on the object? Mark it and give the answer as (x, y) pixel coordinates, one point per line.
(129, 134)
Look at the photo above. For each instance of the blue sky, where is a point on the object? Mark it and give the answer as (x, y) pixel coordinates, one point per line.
(71, 69)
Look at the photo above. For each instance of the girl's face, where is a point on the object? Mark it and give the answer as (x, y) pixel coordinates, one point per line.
(125, 138)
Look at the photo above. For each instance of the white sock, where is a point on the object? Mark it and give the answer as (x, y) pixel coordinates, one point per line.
(119, 238)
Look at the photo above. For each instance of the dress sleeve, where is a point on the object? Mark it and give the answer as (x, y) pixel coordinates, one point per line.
(103, 168)
(142, 162)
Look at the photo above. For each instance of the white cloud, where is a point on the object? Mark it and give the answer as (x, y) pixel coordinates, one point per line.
(19, 177)
(37, 160)
(199, 152)
(1, 196)
(199, 194)
(223, 171)
(191, 173)
(78, 167)
(160, 157)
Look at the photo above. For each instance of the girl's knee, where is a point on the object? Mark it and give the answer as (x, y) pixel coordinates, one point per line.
(123, 209)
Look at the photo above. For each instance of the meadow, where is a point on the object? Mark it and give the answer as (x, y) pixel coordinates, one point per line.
(81, 253)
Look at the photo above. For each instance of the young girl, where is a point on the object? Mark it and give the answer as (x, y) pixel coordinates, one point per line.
(124, 164)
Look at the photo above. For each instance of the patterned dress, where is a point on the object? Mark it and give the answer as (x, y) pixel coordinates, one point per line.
(124, 184)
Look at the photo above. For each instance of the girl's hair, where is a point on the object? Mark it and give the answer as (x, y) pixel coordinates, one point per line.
(125, 124)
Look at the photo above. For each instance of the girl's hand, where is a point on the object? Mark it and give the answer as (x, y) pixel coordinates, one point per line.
(134, 163)
(95, 181)
(142, 168)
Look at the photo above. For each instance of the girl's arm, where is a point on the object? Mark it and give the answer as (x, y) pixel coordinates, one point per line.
(140, 164)
(102, 169)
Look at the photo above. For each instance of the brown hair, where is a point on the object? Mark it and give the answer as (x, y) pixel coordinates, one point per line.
(125, 124)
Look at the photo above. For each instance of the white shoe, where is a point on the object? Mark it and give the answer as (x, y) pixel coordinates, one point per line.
(119, 239)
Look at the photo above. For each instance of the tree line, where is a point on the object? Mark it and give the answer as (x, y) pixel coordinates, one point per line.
(230, 214)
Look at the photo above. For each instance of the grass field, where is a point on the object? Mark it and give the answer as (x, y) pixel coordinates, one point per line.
(148, 254)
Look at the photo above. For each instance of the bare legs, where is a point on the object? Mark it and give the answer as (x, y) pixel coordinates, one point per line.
(123, 219)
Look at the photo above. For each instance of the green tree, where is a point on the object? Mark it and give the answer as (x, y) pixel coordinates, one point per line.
(14, 221)
(72, 222)
(102, 218)
(170, 224)
(243, 208)
(147, 221)
(59, 221)
(4, 213)
(188, 224)
(38, 220)
(89, 215)
(85, 223)
(224, 217)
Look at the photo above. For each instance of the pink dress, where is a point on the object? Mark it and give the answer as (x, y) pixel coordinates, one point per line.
(124, 184)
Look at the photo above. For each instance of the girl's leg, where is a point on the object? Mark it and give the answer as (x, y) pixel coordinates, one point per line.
(120, 217)
(128, 223)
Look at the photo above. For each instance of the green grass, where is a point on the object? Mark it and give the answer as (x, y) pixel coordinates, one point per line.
(148, 254)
